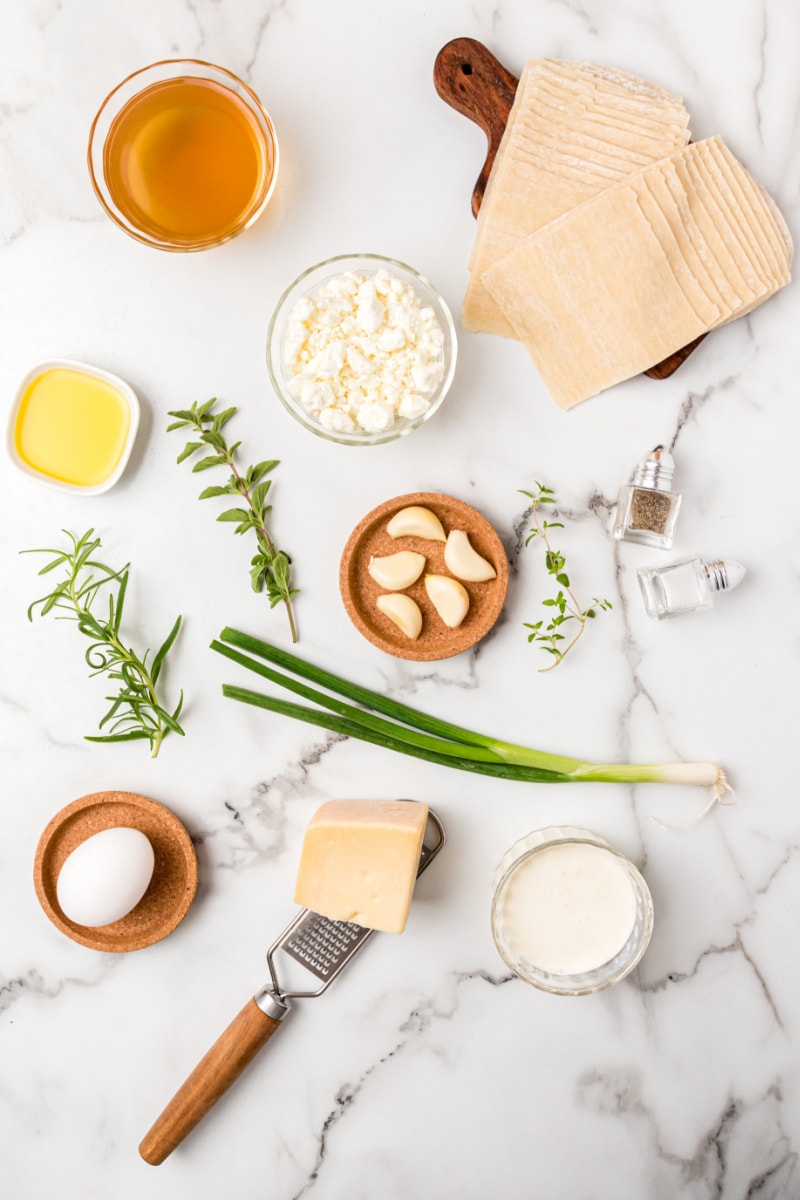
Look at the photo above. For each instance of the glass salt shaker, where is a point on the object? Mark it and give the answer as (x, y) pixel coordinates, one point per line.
(687, 585)
(647, 511)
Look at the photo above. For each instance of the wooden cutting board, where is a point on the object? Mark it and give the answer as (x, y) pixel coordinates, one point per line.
(470, 79)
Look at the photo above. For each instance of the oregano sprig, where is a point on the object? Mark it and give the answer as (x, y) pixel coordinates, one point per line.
(564, 605)
(270, 568)
(136, 712)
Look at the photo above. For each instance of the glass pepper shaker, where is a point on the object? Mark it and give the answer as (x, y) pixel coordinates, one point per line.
(686, 585)
(647, 511)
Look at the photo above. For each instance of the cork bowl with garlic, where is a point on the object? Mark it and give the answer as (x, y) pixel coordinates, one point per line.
(423, 620)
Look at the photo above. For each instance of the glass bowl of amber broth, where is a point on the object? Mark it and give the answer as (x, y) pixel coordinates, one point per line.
(183, 155)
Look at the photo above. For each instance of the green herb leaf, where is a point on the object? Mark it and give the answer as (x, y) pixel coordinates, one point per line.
(51, 566)
(223, 417)
(263, 468)
(564, 601)
(136, 711)
(271, 571)
(214, 460)
(116, 617)
(215, 439)
(257, 578)
(234, 514)
(280, 571)
(188, 449)
(135, 735)
(164, 649)
(259, 495)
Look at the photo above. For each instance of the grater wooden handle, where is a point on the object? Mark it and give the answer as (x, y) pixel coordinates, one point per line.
(211, 1078)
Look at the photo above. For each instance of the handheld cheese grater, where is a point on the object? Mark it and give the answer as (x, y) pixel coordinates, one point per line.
(314, 943)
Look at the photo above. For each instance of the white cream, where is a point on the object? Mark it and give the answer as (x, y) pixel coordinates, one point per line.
(568, 908)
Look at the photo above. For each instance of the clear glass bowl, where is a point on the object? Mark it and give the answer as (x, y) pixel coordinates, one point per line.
(586, 982)
(140, 81)
(311, 281)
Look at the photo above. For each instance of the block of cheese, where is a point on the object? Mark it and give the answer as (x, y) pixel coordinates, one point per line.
(574, 129)
(360, 860)
(641, 269)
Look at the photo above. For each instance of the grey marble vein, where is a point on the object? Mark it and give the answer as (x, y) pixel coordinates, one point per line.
(260, 33)
(419, 1019)
(619, 1094)
(578, 10)
(734, 946)
(695, 401)
(256, 830)
(33, 983)
(762, 72)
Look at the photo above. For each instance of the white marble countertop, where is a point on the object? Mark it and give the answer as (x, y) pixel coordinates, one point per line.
(426, 1071)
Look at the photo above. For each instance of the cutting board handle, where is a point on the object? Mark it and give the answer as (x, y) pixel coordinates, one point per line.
(470, 79)
(211, 1078)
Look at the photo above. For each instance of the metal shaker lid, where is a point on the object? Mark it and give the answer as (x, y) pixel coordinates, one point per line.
(655, 470)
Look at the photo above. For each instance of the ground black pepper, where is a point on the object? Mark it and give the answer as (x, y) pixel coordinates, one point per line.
(650, 510)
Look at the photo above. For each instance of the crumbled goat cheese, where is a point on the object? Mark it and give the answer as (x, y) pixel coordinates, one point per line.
(363, 352)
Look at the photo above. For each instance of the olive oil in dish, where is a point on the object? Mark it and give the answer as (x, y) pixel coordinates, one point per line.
(73, 426)
(185, 161)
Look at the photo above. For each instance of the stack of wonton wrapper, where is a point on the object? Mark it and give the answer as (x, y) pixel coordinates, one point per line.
(605, 240)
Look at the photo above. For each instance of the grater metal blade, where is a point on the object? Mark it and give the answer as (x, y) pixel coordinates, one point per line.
(322, 945)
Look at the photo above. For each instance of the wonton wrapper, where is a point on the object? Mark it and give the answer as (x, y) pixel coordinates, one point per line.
(640, 270)
(574, 129)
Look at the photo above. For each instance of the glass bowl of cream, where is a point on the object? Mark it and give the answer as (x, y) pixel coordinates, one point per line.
(570, 915)
(361, 349)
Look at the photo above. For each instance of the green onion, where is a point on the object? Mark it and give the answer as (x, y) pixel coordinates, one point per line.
(409, 731)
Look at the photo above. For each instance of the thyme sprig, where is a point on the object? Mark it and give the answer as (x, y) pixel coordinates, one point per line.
(136, 711)
(564, 603)
(270, 569)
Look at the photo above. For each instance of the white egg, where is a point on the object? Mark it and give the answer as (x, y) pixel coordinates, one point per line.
(105, 877)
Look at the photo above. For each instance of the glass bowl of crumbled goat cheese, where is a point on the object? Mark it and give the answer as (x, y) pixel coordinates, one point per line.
(361, 349)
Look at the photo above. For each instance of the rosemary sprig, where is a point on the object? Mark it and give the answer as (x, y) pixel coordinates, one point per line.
(270, 569)
(564, 603)
(136, 712)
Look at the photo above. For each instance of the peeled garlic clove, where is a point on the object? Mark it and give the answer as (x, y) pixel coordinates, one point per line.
(416, 522)
(404, 611)
(396, 571)
(463, 561)
(449, 598)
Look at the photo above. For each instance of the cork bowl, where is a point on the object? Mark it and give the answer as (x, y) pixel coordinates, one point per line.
(172, 887)
(360, 591)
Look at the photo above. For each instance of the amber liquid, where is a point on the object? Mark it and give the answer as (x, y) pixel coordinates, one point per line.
(187, 162)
